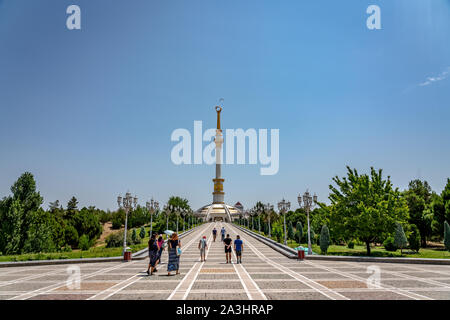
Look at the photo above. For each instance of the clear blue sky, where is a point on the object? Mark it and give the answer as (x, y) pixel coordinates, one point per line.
(90, 112)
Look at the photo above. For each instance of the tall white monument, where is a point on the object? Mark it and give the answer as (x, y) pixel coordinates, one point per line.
(218, 210)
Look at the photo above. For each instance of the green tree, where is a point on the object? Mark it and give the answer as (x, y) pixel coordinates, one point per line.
(324, 239)
(54, 205)
(266, 228)
(134, 236)
(299, 232)
(11, 220)
(24, 191)
(290, 231)
(118, 219)
(142, 232)
(39, 233)
(57, 225)
(17, 213)
(71, 235)
(86, 222)
(72, 208)
(177, 205)
(418, 198)
(400, 237)
(277, 231)
(365, 207)
(441, 210)
(84, 243)
(414, 238)
(446, 236)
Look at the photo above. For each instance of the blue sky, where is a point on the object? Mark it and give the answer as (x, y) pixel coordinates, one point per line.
(90, 112)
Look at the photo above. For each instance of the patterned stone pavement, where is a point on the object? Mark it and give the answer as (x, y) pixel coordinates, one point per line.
(264, 274)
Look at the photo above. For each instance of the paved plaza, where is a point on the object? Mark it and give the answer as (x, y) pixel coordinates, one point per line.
(264, 274)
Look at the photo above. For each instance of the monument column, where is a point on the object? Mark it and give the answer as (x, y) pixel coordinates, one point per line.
(218, 194)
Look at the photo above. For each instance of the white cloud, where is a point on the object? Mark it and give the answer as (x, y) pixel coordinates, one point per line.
(442, 76)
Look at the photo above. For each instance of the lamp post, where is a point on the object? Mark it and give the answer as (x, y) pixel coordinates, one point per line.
(284, 206)
(259, 211)
(152, 206)
(308, 203)
(177, 213)
(168, 209)
(252, 214)
(183, 214)
(268, 208)
(127, 203)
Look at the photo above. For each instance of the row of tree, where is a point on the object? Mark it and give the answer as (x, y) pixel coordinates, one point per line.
(25, 227)
(368, 209)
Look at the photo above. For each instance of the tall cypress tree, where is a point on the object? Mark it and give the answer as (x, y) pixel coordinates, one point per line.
(290, 232)
(324, 239)
(447, 235)
(299, 231)
(400, 240)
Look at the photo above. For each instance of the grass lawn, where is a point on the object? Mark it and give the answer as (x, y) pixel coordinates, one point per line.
(94, 252)
(360, 250)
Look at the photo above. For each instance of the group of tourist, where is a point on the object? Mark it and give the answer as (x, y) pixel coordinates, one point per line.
(238, 245)
(156, 248)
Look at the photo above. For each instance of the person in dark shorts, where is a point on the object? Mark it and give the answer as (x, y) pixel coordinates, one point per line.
(223, 233)
(214, 234)
(228, 241)
(238, 248)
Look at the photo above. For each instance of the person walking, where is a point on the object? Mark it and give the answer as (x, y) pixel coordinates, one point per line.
(174, 258)
(214, 232)
(238, 248)
(223, 233)
(227, 241)
(202, 245)
(152, 254)
(160, 243)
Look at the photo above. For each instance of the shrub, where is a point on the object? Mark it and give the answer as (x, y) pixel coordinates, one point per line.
(104, 216)
(324, 239)
(135, 237)
(414, 238)
(87, 222)
(351, 245)
(299, 232)
(115, 240)
(389, 244)
(71, 235)
(118, 219)
(447, 235)
(266, 228)
(142, 233)
(400, 237)
(84, 243)
(290, 231)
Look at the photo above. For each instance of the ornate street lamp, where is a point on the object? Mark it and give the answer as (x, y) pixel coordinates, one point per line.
(127, 203)
(152, 206)
(259, 211)
(168, 209)
(283, 207)
(269, 208)
(183, 213)
(308, 203)
(252, 213)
